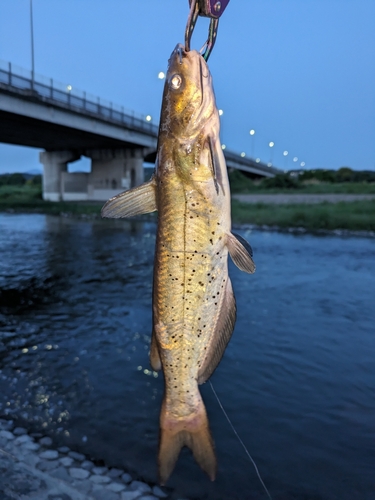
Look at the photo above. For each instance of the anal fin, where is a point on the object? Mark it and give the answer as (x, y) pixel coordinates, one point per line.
(136, 201)
(221, 336)
(155, 361)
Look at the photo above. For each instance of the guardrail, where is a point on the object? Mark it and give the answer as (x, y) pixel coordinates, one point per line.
(36, 87)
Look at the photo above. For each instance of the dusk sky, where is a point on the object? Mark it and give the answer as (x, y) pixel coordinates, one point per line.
(301, 73)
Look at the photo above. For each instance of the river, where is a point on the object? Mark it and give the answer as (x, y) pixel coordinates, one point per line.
(297, 379)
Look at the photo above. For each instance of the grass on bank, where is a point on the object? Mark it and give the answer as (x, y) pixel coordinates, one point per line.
(354, 216)
(28, 198)
(358, 215)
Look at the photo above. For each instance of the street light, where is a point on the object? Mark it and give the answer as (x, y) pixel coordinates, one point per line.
(303, 164)
(286, 158)
(223, 146)
(221, 112)
(271, 145)
(295, 159)
(148, 118)
(243, 154)
(32, 45)
(161, 75)
(252, 133)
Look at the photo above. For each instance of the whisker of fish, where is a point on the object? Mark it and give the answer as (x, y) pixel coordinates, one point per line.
(242, 443)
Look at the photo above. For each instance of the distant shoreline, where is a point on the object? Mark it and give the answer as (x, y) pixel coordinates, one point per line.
(355, 217)
(298, 198)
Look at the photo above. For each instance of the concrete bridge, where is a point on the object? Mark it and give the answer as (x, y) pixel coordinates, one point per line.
(68, 124)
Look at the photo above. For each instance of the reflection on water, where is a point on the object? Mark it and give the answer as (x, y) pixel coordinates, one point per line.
(297, 379)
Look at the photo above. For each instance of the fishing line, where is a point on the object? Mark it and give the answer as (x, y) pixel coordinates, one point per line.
(240, 440)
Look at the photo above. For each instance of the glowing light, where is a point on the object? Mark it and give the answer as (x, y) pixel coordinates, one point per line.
(303, 163)
(295, 158)
(161, 75)
(223, 146)
(271, 144)
(269, 164)
(258, 160)
(221, 112)
(243, 154)
(285, 153)
(148, 118)
(25, 350)
(69, 88)
(252, 132)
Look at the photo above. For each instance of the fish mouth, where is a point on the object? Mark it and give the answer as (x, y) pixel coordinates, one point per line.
(178, 53)
(177, 57)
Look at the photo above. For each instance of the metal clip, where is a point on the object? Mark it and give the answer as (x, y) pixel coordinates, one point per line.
(211, 8)
(206, 8)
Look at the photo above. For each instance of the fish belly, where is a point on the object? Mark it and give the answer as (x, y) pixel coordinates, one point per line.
(189, 284)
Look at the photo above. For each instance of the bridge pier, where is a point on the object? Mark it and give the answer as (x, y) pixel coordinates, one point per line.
(114, 171)
(54, 165)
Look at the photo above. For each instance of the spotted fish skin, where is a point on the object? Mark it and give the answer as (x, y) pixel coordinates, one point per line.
(193, 304)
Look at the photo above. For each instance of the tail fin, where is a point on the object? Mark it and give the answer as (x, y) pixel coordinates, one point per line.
(192, 431)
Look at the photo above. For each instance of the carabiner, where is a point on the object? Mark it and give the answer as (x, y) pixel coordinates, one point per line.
(207, 8)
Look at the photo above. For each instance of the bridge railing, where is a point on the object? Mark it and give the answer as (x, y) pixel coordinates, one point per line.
(237, 159)
(22, 82)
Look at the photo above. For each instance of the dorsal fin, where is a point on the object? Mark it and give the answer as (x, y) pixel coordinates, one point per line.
(221, 335)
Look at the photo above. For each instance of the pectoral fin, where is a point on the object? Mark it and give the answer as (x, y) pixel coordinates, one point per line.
(136, 201)
(217, 159)
(241, 252)
(221, 336)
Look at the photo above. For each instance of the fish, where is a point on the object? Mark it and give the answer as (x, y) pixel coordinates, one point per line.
(194, 308)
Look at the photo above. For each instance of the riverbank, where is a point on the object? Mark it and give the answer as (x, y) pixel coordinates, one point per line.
(32, 469)
(345, 216)
(311, 211)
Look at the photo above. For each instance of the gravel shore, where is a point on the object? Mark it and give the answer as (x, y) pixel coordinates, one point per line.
(295, 199)
(31, 469)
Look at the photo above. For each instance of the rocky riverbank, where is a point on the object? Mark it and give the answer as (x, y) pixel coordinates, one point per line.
(31, 469)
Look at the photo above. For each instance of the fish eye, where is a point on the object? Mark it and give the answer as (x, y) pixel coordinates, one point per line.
(176, 82)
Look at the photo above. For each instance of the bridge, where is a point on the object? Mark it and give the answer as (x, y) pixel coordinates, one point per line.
(68, 124)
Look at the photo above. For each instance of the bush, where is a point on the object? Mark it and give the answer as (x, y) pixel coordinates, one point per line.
(239, 182)
(281, 181)
(36, 180)
(12, 180)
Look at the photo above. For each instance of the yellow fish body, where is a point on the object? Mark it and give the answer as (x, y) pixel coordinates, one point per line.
(194, 308)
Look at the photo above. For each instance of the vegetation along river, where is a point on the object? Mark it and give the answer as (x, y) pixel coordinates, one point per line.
(297, 379)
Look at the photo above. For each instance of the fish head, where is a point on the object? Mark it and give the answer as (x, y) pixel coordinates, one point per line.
(188, 99)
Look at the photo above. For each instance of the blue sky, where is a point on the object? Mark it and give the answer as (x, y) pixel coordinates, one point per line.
(301, 73)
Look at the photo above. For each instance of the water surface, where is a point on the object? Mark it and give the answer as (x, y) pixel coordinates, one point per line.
(297, 379)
